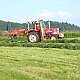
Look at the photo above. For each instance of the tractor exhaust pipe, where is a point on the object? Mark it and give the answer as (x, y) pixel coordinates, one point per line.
(49, 24)
(28, 25)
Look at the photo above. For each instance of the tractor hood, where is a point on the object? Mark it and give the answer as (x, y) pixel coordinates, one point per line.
(51, 31)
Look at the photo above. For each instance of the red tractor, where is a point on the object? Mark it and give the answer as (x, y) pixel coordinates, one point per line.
(39, 32)
(36, 32)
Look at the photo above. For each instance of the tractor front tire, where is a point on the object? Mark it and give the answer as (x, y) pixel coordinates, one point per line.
(33, 37)
(53, 37)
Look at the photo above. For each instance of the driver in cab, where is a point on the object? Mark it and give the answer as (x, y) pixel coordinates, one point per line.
(37, 26)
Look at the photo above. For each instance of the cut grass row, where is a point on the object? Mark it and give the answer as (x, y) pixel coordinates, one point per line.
(24, 63)
(22, 42)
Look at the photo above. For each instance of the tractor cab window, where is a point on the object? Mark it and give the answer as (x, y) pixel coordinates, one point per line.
(30, 25)
(43, 25)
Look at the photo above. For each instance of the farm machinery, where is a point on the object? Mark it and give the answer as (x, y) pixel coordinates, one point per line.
(37, 31)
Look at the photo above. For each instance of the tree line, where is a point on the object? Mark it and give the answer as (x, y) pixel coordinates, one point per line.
(6, 26)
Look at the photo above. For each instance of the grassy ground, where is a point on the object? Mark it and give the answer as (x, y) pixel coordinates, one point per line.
(24, 63)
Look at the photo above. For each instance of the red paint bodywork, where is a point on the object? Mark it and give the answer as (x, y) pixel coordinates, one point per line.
(51, 31)
(48, 32)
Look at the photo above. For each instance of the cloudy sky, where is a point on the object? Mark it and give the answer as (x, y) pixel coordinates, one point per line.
(28, 10)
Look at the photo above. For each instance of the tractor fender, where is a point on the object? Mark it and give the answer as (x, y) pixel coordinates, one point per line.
(33, 31)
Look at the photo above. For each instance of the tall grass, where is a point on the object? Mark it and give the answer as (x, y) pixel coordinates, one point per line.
(72, 34)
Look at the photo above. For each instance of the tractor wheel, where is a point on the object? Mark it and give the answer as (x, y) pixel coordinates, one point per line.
(53, 37)
(33, 37)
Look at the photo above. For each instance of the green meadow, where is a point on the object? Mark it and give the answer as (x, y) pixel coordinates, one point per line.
(34, 63)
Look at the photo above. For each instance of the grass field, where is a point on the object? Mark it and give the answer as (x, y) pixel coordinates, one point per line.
(28, 63)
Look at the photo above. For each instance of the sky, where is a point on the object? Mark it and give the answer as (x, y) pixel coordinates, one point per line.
(22, 11)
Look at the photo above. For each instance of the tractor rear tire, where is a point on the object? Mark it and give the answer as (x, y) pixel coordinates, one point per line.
(33, 37)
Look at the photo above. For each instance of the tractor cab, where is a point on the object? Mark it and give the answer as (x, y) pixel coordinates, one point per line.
(35, 25)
